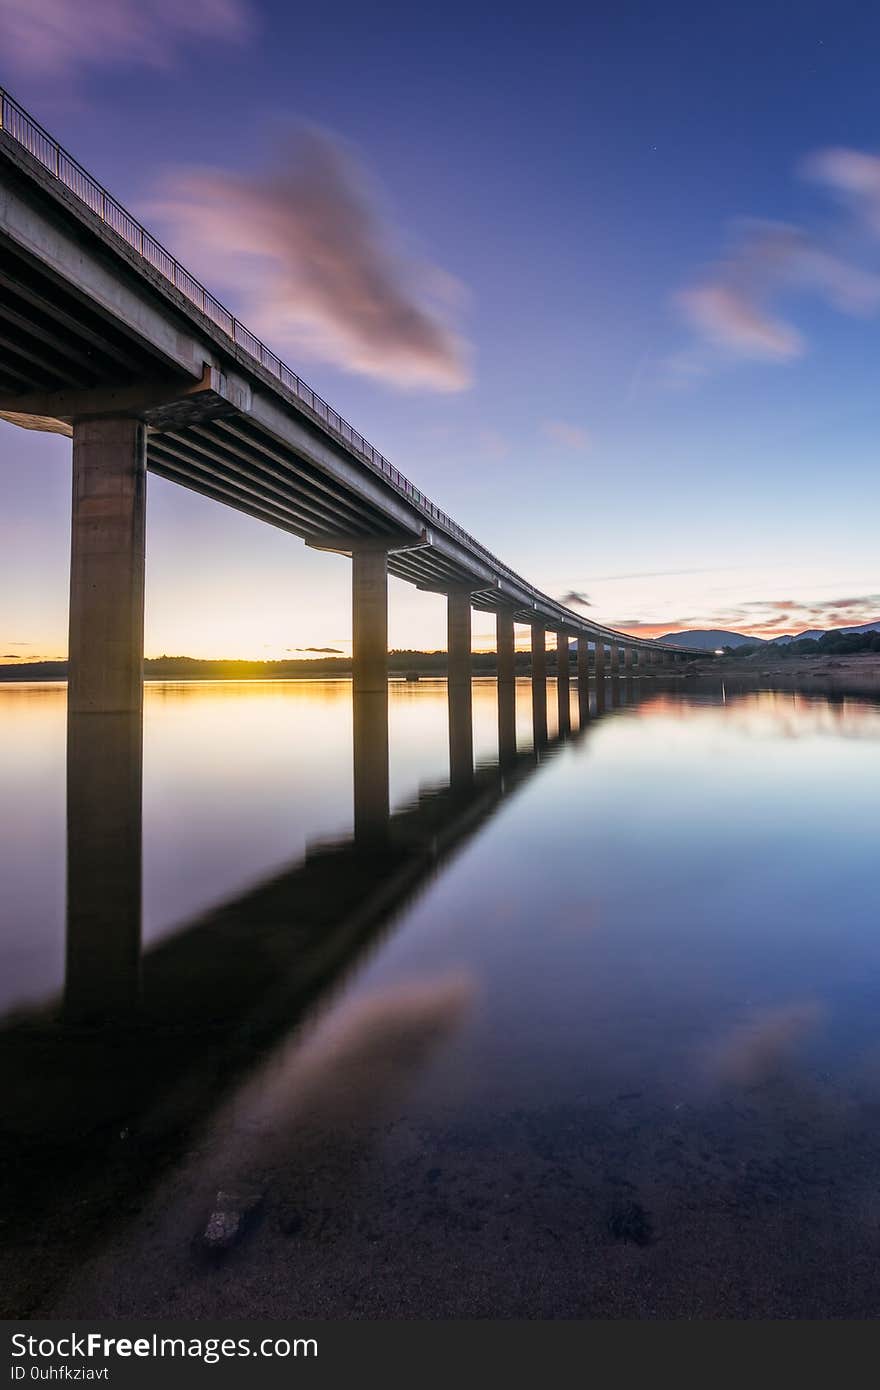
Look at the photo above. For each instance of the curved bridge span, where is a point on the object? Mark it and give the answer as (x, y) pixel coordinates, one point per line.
(105, 337)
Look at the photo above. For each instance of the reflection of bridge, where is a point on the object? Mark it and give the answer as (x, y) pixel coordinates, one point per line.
(350, 882)
(105, 337)
(203, 1005)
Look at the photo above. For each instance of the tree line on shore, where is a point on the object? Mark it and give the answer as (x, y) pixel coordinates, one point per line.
(830, 644)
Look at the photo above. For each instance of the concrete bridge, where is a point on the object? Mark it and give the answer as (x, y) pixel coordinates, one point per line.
(106, 338)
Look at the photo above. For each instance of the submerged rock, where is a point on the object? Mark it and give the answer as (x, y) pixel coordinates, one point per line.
(228, 1220)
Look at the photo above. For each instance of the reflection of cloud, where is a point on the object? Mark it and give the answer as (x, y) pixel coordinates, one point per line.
(574, 597)
(303, 247)
(762, 1046)
(571, 436)
(50, 37)
(358, 1068)
(333, 1092)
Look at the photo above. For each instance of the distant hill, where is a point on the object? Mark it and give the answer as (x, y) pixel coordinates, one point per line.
(707, 638)
(718, 637)
(814, 633)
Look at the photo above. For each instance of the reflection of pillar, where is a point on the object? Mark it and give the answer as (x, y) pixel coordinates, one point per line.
(461, 736)
(107, 567)
(539, 684)
(369, 620)
(583, 679)
(506, 663)
(642, 667)
(102, 973)
(563, 687)
(370, 766)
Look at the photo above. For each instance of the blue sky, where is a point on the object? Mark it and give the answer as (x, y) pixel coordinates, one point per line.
(659, 304)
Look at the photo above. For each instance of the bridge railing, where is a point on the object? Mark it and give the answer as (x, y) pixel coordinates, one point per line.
(22, 127)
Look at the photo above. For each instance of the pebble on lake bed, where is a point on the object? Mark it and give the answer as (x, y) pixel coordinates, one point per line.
(228, 1219)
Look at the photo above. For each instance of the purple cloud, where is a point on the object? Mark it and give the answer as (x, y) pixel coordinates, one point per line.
(301, 245)
(52, 37)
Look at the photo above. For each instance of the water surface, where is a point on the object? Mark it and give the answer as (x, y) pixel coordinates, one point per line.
(592, 1034)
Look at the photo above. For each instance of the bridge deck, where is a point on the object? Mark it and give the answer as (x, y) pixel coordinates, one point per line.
(96, 315)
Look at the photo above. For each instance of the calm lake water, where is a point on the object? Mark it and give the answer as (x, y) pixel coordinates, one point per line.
(592, 1034)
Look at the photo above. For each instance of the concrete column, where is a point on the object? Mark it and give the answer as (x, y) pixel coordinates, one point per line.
(615, 659)
(563, 687)
(458, 687)
(458, 645)
(369, 583)
(506, 662)
(370, 768)
(628, 661)
(583, 676)
(539, 684)
(600, 662)
(106, 635)
(103, 929)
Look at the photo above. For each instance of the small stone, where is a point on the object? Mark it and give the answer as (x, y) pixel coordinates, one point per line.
(227, 1221)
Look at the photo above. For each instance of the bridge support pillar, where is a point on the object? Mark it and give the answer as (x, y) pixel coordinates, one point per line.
(600, 661)
(506, 662)
(106, 647)
(614, 661)
(583, 670)
(563, 687)
(369, 626)
(539, 684)
(628, 661)
(458, 686)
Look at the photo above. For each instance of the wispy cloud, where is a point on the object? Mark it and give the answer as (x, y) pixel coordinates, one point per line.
(323, 651)
(768, 618)
(728, 318)
(733, 309)
(493, 444)
(314, 266)
(854, 175)
(567, 434)
(575, 599)
(54, 37)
